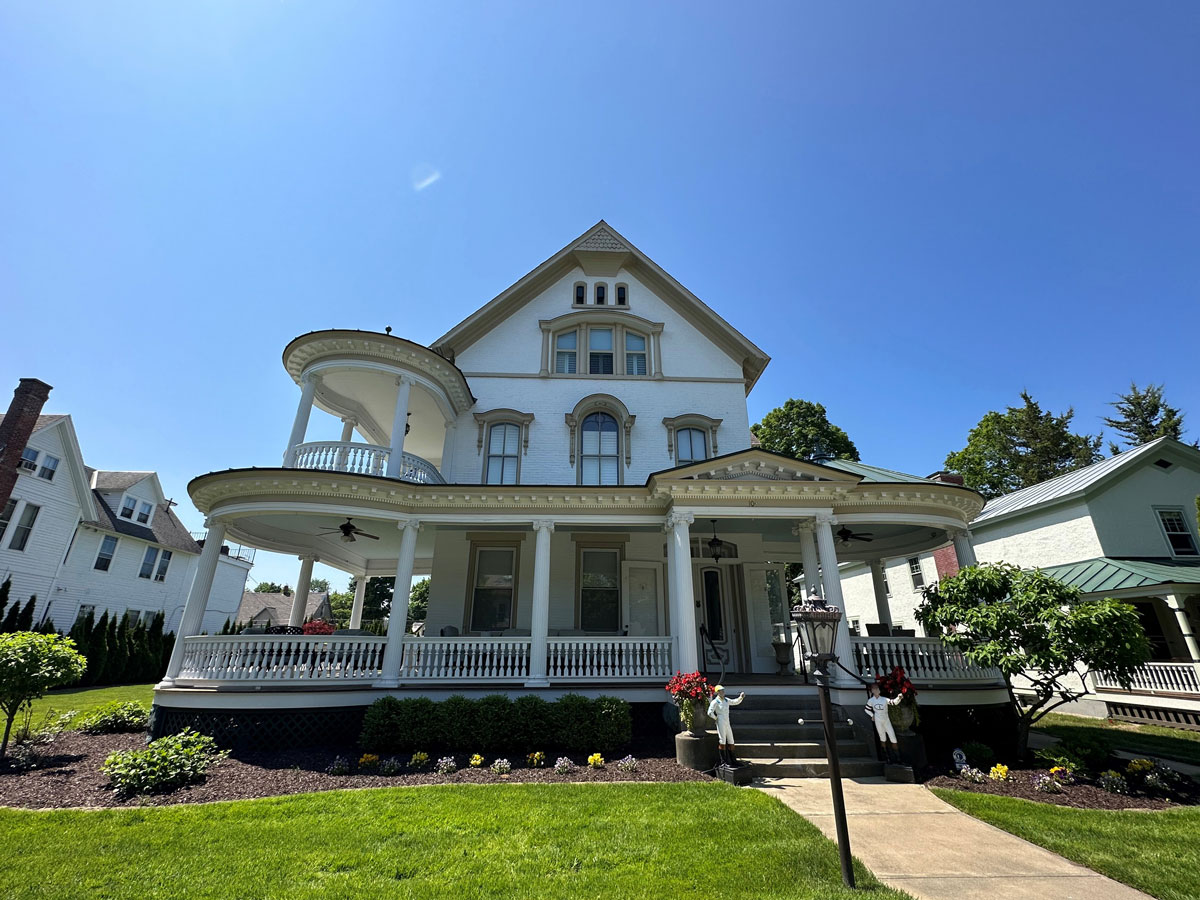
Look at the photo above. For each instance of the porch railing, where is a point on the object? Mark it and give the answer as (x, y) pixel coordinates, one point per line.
(1157, 678)
(584, 658)
(362, 459)
(924, 659)
(282, 657)
(465, 659)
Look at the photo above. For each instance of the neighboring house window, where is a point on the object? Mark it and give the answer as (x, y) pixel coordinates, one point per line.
(49, 467)
(600, 590)
(600, 351)
(164, 560)
(635, 353)
(493, 589)
(689, 446)
(598, 451)
(601, 292)
(580, 294)
(6, 516)
(24, 526)
(854, 627)
(622, 295)
(85, 610)
(914, 569)
(148, 562)
(565, 350)
(503, 455)
(128, 505)
(144, 512)
(887, 588)
(28, 460)
(108, 547)
(1179, 536)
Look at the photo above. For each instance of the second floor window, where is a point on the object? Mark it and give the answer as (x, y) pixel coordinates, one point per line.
(128, 505)
(635, 353)
(6, 516)
(565, 349)
(28, 460)
(1179, 536)
(148, 561)
(690, 446)
(49, 467)
(24, 527)
(914, 569)
(108, 548)
(164, 561)
(600, 351)
(598, 452)
(503, 439)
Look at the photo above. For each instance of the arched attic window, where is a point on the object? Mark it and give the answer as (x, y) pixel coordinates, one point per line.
(600, 427)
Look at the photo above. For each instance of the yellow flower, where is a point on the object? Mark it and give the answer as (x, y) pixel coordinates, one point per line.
(476, 760)
(999, 772)
(596, 761)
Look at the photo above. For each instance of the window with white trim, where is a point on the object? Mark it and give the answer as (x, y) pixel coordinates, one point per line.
(601, 294)
(914, 570)
(164, 562)
(29, 458)
(108, 549)
(504, 439)
(600, 351)
(580, 294)
(49, 467)
(148, 560)
(145, 510)
(599, 450)
(622, 295)
(6, 516)
(493, 591)
(128, 507)
(635, 353)
(690, 446)
(1179, 535)
(566, 347)
(600, 590)
(24, 527)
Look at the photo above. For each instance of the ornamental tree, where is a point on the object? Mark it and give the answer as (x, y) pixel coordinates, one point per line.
(801, 429)
(1035, 630)
(31, 664)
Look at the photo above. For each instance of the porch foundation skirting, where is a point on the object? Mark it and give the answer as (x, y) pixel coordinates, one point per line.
(359, 660)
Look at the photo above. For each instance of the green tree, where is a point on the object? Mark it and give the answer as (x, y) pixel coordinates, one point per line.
(9, 624)
(154, 645)
(801, 429)
(5, 588)
(377, 599)
(319, 585)
(25, 619)
(268, 587)
(341, 603)
(98, 644)
(1142, 416)
(1027, 623)
(1022, 446)
(418, 601)
(31, 664)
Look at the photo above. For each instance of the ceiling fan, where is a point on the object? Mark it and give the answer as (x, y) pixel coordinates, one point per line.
(845, 535)
(348, 530)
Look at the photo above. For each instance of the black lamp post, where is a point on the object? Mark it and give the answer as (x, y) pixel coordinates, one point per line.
(820, 624)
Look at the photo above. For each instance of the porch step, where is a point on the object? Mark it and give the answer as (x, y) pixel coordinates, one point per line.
(785, 717)
(852, 767)
(776, 751)
(757, 700)
(757, 732)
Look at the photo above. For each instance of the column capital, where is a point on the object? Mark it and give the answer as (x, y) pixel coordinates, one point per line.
(212, 522)
(404, 524)
(679, 517)
(405, 379)
(310, 378)
(543, 525)
(804, 526)
(1172, 602)
(350, 420)
(308, 557)
(958, 533)
(825, 518)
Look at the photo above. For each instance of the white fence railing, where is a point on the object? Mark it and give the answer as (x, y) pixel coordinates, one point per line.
(282, 657)
(608, 659)
(465, 659)
(923, 659)
(1157, 677)
(362, 459)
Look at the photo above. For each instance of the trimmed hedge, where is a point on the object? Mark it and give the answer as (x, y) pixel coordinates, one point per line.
(496, 723)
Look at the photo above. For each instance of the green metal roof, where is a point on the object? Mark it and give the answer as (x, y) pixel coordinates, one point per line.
(874, 474)
(1093, 576)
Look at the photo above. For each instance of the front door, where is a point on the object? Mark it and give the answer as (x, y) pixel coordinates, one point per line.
(642, 594)
(717, 615)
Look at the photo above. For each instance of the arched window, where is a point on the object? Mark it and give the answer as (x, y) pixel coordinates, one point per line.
(599, 456)
(502, 458)
(690, 446)
(580, 294)
(601, 292)
(622, 295)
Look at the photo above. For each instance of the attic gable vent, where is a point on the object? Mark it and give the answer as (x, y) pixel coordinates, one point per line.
(1163, 463)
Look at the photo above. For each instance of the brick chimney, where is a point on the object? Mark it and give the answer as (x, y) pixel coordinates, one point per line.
(946, 478)
(27, 402)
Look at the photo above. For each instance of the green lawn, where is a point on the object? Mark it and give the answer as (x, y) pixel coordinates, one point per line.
(1156, 852)
(702, 840)
(86, 699)
(1153, 740)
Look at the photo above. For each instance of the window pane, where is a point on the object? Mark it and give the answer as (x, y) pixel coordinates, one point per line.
(600, 590)
(564, 362)
(590, 471)
(492, 606)
(580, 293)
(635, 363)
(510, 470)
(600, 339)
(600, 569)
(144, 513)
(622, 295)
(634, 341)
(567, 340)
(600, 294)
(494, 569)
(21, 533)
(714, 615)
(28, 459)
(6, 516)
(161, 575)
(108, 546)
(608, 470)
(49, 466)
(600, 364)
(127, 507)
(148, 562)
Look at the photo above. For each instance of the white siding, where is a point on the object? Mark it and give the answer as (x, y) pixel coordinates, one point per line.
(1058, 535)
(1124, 515)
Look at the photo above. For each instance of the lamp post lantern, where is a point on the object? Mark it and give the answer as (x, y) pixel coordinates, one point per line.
(820, 624)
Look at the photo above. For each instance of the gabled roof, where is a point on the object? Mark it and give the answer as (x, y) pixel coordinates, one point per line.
(116, 481)
(602, 248)
(80, 473)
(165, 527)
(756, 461)
(1075, 484)
(277, 608)
(42, 422)
(1106, 574)
(877, 475)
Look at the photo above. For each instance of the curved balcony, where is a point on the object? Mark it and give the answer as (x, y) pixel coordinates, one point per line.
(362, 459)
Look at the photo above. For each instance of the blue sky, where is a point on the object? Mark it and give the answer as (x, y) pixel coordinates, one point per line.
(917, 209)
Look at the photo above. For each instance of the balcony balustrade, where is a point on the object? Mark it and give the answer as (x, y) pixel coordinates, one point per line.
(923, 659)
(362, 459)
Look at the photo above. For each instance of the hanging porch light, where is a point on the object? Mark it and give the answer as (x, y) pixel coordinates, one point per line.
(717, 548)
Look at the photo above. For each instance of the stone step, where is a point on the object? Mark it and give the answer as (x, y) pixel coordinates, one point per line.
(852, 767)
(738, 715)
(758, 732)
(771, 750)
(774, 701)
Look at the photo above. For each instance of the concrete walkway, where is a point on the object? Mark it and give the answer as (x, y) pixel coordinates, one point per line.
(913, 841)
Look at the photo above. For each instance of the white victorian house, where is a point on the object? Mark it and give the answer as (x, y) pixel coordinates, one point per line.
(559, 463)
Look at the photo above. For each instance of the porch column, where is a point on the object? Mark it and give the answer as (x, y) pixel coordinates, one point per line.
(197, 600)
(348, 425)
(963, 549)
(679, 559)
(539, 629)
(396, 457)
(831, 581)
(360, 597)
(808, 556)
(300, 597)
(300, 423)
(393, 653)
(1175, 604)
(883, 609)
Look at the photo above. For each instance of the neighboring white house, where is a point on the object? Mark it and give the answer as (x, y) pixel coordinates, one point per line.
(1124, 527)
(264, 609)
(572, 466)
(85, 540)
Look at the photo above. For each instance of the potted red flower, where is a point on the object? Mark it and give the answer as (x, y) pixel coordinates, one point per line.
(904, 714)
(691, 693)
(318, 626)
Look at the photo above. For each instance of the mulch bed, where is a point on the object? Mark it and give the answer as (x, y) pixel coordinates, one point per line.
(1078, 795)
(69, 775)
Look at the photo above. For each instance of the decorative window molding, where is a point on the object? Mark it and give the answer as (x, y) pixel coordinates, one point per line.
(600, 403)
(622, 298)
(580, 293)
(707, 424)
(492, 416)
(600, 293)
(566, 344)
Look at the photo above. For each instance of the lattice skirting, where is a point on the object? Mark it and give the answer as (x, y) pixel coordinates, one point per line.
(263, 729)
(1176, 718)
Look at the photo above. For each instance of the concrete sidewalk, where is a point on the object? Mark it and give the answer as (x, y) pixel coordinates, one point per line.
(913, 841)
